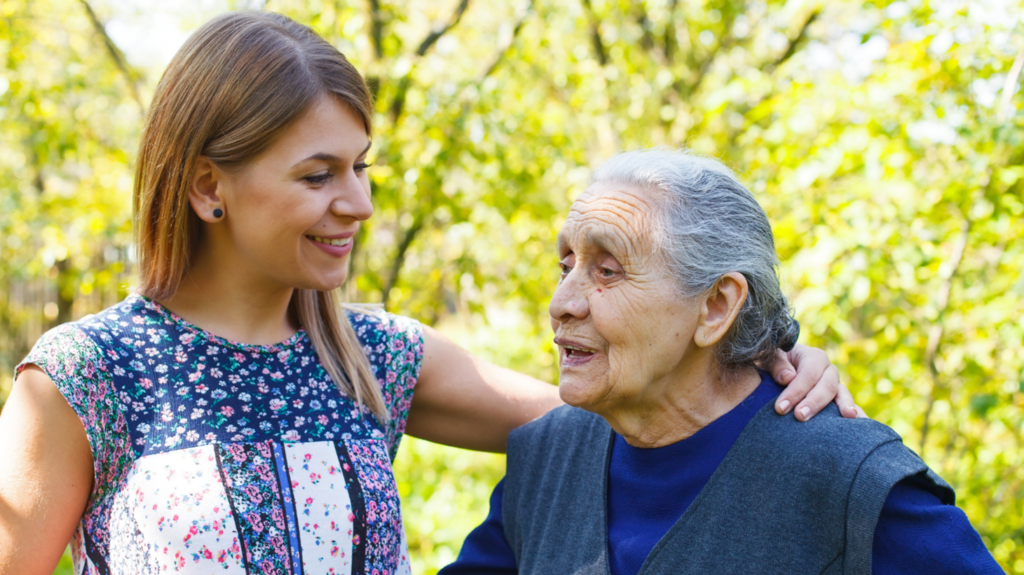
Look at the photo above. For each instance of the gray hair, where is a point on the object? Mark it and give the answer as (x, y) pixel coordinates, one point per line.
(711, 225)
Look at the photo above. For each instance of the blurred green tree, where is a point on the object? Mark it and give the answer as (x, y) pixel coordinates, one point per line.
(69, 118)
(883, 138)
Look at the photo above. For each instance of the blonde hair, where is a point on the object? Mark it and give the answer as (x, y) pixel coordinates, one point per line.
(234, 86)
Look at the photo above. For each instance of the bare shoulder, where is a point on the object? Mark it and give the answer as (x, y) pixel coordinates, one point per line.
(44, 433)
(46, 474)
(35, 391)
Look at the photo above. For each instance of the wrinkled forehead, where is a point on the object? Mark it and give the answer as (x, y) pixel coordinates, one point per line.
(612, 217)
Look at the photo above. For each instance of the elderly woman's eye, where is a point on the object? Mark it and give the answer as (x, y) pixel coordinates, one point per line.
(565, 268)
(608, 272)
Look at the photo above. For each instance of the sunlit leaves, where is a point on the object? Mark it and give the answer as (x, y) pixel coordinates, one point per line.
(883, 138)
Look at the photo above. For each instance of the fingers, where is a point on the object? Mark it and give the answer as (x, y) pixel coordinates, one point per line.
(821, 395)
(808, 366)
(812, 382)
(847, 407)
(782, 370)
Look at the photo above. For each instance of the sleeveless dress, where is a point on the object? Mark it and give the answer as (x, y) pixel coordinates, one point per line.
(217, 457)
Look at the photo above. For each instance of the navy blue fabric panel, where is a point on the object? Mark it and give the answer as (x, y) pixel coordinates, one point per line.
(917, 533)
(486, 551)
(181, 387)
(650, 489)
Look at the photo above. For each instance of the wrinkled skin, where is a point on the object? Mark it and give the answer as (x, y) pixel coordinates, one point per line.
(649, 365)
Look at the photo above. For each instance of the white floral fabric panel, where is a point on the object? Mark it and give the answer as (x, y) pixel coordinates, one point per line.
(404, 567)
(323, 507)
(173, 515)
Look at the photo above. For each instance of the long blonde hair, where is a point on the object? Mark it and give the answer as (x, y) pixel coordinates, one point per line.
(234, 86)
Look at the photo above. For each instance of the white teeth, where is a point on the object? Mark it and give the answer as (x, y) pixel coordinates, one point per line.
(569, 347)
(339, 242)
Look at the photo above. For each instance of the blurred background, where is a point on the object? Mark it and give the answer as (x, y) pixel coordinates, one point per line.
(885, 140)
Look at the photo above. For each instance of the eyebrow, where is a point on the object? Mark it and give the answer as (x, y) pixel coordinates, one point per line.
(598, 238)
(601, 239)
(330, 157)
(562, 243)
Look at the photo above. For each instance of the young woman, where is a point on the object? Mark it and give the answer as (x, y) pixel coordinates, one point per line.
(231, 416)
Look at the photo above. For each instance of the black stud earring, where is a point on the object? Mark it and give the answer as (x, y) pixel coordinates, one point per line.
(218, 213)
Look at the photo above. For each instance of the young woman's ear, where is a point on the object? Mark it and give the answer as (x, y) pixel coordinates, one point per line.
(205, 194)
(719, 309)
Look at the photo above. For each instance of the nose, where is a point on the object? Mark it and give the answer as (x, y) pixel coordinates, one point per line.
(570, 300)
(352, 199)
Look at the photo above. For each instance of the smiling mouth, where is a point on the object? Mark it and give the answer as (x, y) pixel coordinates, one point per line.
(575, 356)
(571, 351)
(340, 242)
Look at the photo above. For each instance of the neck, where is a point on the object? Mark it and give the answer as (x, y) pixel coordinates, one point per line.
(233, 302)
(682, 403)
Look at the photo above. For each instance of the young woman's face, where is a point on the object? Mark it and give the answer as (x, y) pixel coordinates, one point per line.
(291, 214)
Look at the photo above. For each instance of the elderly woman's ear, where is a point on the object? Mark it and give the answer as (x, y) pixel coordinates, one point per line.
(719, 308)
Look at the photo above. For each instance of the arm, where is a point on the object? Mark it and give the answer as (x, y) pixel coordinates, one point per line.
(46, 473)
(486, 551)
(918, 534)
(464, 401)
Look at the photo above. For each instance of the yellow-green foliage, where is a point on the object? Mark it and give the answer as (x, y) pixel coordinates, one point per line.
(883, 138)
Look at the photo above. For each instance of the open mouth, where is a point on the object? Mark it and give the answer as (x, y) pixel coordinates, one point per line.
(571, 351)
(572, 355)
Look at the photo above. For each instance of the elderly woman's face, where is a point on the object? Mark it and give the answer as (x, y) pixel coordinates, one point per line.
(620, 323)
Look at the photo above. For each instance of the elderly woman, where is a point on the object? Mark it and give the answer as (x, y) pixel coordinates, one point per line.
(669, 458)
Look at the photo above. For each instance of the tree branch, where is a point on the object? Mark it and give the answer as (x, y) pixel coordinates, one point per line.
(436, 34)
(116, 55)
(794, 42)
(403, 250)
(377, 29)
(705, 66)
(938, 329)
(398, 103)
(377, 39)
(595, 35)
(1010, 86)
(508, 47)
(419, 223)
(668, 41)
(791, 48)
(647, 39)
(37, 178)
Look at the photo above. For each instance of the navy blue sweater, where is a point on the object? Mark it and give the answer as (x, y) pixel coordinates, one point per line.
(916, 532)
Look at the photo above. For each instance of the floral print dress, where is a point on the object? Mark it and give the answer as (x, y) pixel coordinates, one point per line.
(217, 457)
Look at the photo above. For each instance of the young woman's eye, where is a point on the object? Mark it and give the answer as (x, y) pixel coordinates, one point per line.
(361, 167)
(319, 179)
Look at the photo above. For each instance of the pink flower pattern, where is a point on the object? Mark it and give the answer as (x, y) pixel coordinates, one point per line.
(146, 383)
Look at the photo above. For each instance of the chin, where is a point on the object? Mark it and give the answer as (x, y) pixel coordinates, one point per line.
(324, 281)
(320, 285)
(577, 391)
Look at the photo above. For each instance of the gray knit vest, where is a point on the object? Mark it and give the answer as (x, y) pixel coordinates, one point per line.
(789, 497)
